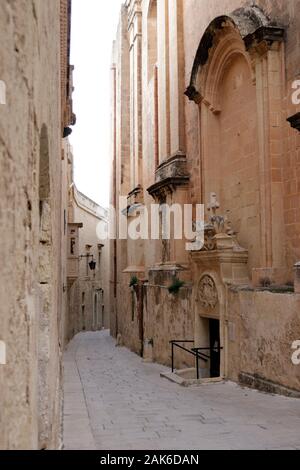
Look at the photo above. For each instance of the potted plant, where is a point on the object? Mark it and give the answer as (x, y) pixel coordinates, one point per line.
(176, 285)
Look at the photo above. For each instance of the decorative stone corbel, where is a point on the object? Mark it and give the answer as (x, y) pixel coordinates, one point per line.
(170, 174)
(266, 35)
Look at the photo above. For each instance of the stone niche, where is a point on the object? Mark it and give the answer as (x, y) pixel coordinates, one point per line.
(163, 274)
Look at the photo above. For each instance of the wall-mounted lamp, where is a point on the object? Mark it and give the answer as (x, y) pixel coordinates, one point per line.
(92, 264)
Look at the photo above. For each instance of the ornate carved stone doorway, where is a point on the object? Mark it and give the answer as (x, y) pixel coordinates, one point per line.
(208, 332)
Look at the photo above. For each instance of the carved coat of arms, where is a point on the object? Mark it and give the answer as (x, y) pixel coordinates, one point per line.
(207, 293)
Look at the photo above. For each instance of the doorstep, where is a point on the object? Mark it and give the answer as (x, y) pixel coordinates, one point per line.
(178, 378)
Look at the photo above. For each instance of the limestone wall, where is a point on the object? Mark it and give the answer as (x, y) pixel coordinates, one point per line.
(30, 220)
(265, 327)
(169, 317)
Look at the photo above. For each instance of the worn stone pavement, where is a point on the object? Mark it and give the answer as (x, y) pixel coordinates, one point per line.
(115, 401)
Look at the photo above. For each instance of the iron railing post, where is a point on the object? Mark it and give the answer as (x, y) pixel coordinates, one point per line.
(194, 351)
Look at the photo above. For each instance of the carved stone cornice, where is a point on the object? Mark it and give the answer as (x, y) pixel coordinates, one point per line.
(135, 199)
(295, 121)
(170, 174)
(134, 11)
(232, 265)
(193, 94)
(159, 191)
(172, 167)
(164, 273)
(266, 34)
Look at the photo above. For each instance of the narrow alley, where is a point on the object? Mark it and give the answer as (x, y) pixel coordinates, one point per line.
(113, 400)
(150, 226)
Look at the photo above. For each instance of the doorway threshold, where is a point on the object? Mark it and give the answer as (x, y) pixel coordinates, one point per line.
(185, 378)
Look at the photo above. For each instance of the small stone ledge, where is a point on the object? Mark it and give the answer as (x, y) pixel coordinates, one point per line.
(175, 166)
(163, 274)
(268, 34)
(134, 201)
(160, 190)
(134, 270)
(270, 289)
(170, 174)
(267, 386)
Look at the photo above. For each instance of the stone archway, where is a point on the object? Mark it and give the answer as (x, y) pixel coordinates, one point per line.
(236, 73)
(229, 131)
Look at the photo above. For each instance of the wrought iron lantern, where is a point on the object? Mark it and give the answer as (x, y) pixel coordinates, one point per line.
(92, 265)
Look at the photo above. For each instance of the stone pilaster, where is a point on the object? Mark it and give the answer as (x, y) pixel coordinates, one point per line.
(177, 84)
(266, 51)
(135, 38)
(163, 79)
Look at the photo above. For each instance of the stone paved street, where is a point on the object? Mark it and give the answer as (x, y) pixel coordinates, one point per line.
(115, 401)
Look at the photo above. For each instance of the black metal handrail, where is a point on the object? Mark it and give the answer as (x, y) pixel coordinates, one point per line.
(194, 352)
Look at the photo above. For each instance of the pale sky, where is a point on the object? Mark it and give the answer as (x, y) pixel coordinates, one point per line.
(94, 25)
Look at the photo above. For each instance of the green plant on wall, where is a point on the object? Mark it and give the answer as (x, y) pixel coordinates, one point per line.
(175, 286)
(133, 281)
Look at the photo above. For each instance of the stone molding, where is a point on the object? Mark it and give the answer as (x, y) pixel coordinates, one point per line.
(135, 199)
(164, 273)
(267, 34)
(253, 27)
(170, 174)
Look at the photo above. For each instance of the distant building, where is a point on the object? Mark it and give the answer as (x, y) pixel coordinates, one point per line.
(88, 295)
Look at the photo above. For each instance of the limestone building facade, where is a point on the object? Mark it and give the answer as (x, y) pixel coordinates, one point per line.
(35, 118)
(203, 112)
